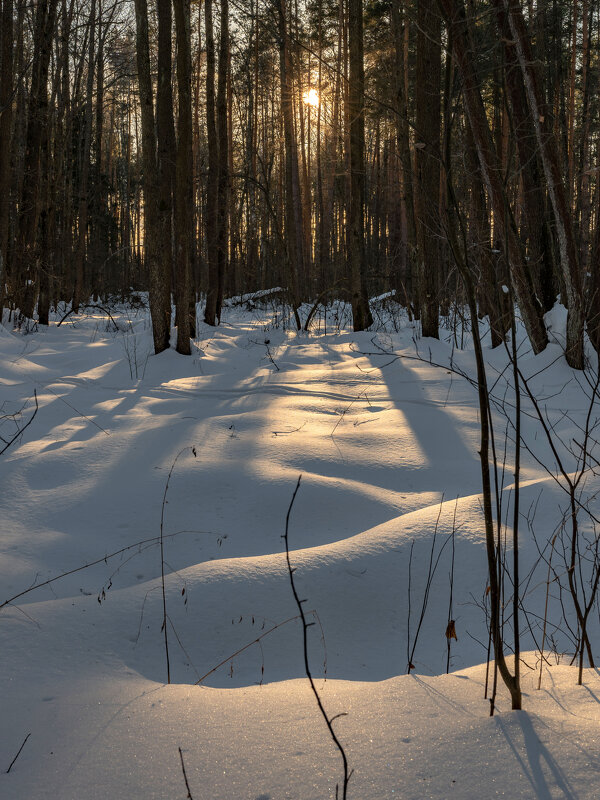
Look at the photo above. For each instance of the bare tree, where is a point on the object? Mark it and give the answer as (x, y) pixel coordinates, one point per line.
(525, 288)
(27, 250)
(184, 192)
(211, 228)
(158, 285)
(547, 147)
(6, 105)
(427, 175)
(361, 313)
(293, 203)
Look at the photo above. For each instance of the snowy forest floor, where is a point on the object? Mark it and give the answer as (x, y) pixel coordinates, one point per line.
(387, 446)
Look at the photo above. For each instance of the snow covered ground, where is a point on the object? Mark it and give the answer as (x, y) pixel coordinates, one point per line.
(387, 449)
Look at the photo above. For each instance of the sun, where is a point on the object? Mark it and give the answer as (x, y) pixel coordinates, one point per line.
(311, 98)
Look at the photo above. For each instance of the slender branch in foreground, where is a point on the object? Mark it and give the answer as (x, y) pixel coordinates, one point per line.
(305, 627)
(93, 308)
(105, 558)
(187, 786)
(162, 555)
(431, 570)
(27, 424)
(254, 641)
(18, 754)
(546, 613)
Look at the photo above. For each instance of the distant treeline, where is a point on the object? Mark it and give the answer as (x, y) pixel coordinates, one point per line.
(340, 149)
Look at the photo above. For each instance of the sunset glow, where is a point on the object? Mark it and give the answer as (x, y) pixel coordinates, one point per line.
(311, 98)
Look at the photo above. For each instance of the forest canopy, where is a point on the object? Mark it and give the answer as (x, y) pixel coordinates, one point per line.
(337, 149)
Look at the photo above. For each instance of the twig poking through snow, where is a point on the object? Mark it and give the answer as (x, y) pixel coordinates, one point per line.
(18, 753)
(162, 556)
(20, 431)
(270, 357)
(187, 786)
(254, 641)
(143, 542)
(305, 626)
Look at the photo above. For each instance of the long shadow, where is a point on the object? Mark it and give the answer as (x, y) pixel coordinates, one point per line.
(122, 468)
(449, 460)
(535, 756)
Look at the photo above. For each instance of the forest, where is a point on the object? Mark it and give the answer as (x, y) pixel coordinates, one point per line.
(338, 150)
(299, 382)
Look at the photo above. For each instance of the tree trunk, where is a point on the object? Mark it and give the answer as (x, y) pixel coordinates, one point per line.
(361, 312)
(166, 147)
(80, 288)
(464, 55)
(184, 191)
(158, 287)
(512, 682)
(428, 163)
(27, 253)
(400, 28)
(223, 166)
(558, 196)
(537, 223)
(6, 103)
(293, 204)
(493, 301)
(211, 230)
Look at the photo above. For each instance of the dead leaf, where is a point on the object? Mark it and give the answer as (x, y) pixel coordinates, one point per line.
(451, 631)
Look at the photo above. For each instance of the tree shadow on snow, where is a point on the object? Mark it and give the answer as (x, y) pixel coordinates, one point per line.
(533, 759)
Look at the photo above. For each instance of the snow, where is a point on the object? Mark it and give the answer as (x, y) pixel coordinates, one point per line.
(387, 448)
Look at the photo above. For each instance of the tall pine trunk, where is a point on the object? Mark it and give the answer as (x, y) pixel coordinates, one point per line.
(27, 250)
(165, 135)
(361, 313)
(428, 163)
(184, 190)
(6, 104)
(223, 166)
(211, 229)
(293, 204)
(157, 283)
